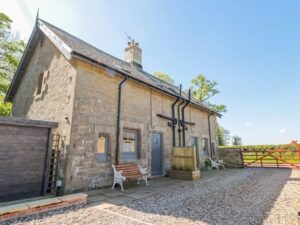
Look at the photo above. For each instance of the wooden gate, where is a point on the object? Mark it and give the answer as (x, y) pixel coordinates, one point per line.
(287, 156)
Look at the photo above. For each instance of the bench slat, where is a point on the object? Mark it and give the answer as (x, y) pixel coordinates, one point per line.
(130, 170)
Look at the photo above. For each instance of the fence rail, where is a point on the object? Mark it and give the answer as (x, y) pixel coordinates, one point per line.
(271, 158)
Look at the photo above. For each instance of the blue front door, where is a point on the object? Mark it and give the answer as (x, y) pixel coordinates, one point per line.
(156, 154)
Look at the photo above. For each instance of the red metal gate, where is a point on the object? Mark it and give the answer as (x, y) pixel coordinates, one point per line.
(287, 156)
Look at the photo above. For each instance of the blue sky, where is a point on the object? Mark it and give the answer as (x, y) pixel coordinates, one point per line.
(251, 48)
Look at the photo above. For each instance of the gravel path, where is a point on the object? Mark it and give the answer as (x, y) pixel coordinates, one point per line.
(248, 196)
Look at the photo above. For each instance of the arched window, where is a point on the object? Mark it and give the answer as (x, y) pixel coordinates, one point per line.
(40, 84)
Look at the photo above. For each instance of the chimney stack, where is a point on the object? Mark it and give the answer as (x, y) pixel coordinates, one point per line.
(133, 54)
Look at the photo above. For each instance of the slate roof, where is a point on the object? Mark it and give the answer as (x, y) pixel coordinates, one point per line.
(74, 47)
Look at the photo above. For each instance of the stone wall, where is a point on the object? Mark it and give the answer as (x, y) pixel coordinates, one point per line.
(95, 111)
(83, 100)
(232, 157)
(55, 103)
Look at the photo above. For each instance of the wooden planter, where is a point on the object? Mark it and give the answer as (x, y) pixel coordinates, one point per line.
(186, 175)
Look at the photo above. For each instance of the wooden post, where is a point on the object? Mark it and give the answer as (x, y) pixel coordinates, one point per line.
(242, 158)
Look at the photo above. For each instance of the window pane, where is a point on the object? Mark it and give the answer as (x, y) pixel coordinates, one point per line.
(101, 144)
(129, 142)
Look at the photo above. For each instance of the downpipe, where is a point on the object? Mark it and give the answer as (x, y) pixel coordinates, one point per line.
(179, 123)
(173, 118)
(209, 133)
(183, 118)
(118, 117)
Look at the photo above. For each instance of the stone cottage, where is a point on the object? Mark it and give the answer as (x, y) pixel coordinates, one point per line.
(109, 110)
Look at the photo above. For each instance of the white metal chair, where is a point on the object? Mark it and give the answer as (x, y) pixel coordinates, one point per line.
(221, 162)
(214, 164)
(145, 177)
(118, 178)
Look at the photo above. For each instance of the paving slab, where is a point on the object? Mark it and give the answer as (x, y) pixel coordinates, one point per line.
(43, 202)
(114, 194)
(13, 208)
(73, 197)
(119, 200)
(97, 191)
(135, 195)
(97, 198)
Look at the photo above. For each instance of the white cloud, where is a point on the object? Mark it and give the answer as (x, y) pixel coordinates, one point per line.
(248, 124)
(282, 131)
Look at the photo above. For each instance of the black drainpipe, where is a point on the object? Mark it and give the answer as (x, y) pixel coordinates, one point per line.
(179, 123)
(209, 132)
(118, 117)
(173, 118)
(183, 119)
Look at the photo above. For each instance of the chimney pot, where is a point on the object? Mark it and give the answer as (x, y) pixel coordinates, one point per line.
(133, 54)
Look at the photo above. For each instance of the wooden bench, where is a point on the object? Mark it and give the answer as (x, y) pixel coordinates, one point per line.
(128, 171)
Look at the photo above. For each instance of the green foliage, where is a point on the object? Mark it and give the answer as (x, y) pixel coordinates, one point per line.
(5, 107)
(165, 77)
(259, 147)
(203, 90)
(11, 49)
(223, 136)
(207, 163)
(236, 140)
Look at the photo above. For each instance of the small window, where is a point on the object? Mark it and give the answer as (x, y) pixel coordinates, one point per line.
(130, 145)
(102, 147)
(205, 146)
(40, 84)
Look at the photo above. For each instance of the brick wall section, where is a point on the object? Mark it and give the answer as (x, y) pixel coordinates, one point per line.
(232, 157)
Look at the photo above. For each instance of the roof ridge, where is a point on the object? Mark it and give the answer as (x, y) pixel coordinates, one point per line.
(84, 42)
(97, 49)
(169, 86)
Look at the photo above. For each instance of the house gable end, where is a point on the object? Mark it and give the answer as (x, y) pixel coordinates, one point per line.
(39, 30)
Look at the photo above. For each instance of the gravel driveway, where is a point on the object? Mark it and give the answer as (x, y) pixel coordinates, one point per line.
(240, 196)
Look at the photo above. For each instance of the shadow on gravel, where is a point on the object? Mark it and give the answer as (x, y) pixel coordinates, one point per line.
(245, 197)
(34, 219)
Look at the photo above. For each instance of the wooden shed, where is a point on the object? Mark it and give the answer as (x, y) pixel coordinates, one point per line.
(25, 149)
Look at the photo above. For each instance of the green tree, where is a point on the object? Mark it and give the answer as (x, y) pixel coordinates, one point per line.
(11, 49)
(165, 77)
(236, 140)
(203, 90)
(223, 136)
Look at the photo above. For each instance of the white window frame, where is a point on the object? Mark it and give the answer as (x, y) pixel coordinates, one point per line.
(131, 155)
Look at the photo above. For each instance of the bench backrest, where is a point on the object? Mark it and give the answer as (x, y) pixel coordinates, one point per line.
(128, 169)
